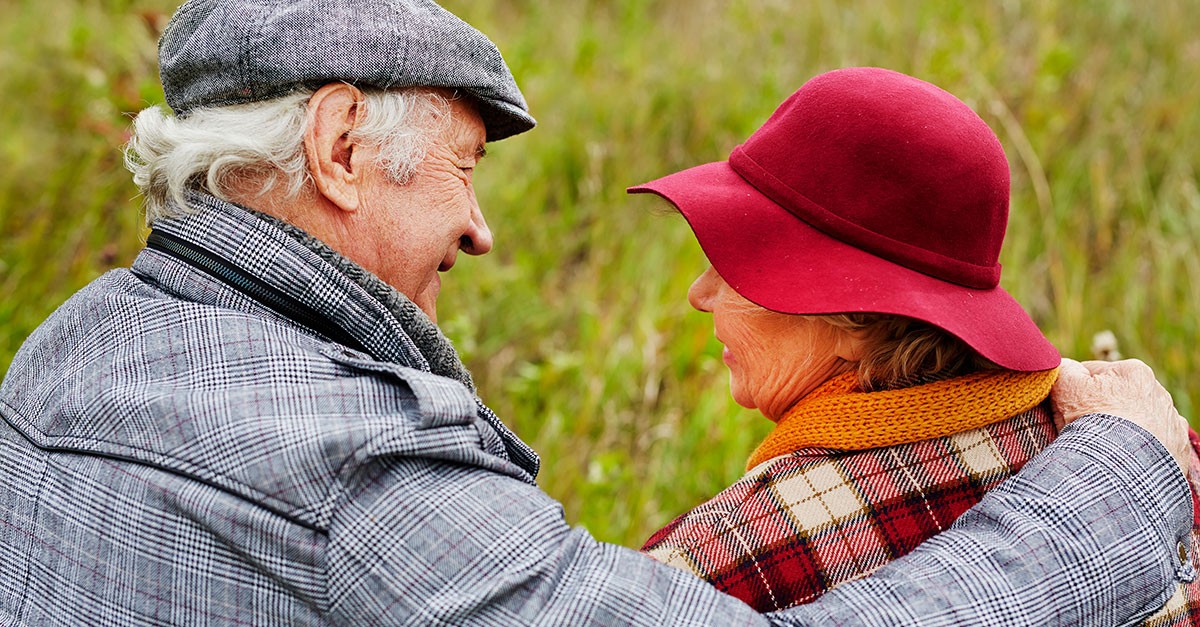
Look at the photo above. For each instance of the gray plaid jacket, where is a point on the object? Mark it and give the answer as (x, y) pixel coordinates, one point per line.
(245, 428)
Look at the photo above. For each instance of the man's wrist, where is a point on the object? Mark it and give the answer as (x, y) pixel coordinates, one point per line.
(1146, 469)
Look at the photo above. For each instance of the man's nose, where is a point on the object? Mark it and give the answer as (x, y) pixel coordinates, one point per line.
(477, 239)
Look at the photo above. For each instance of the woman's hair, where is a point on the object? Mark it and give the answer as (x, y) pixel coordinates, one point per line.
(903, 351)
(223, 149)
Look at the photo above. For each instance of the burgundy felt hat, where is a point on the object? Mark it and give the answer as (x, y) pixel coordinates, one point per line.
(867, 191)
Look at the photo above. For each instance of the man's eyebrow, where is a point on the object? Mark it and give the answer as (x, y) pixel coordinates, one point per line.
(480, 152)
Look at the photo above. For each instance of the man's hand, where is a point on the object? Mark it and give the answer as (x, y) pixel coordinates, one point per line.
(1121, 388)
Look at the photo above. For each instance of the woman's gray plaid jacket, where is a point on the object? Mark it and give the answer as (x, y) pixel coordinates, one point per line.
(246, 428)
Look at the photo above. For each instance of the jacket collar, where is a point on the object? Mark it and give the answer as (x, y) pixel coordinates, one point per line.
(303, 279)
(289, 271)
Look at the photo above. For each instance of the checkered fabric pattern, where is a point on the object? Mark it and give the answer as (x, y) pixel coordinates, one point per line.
(1184, 606)
(174, 452)
(798, 525)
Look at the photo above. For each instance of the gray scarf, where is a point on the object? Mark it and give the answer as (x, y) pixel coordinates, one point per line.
(434, 346)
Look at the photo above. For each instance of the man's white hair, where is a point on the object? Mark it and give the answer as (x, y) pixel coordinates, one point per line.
(226, 149)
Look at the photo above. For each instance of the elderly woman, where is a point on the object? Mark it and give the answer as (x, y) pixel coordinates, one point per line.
(855, 286)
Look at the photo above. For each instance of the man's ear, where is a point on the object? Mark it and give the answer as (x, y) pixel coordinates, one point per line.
(333, 111)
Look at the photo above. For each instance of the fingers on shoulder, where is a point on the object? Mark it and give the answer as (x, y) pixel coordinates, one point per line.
(1122, 367)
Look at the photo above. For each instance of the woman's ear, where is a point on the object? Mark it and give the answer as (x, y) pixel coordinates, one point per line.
(333, 111)
(852, 345)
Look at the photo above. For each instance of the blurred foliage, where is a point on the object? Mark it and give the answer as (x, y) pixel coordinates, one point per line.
(577, 326)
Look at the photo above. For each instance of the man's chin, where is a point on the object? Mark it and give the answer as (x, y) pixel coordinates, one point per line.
(427, 299)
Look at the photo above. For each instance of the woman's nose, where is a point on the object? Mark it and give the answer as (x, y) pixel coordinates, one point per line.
(701, 292)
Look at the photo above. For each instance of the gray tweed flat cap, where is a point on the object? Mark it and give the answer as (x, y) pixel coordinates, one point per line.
(223, 52)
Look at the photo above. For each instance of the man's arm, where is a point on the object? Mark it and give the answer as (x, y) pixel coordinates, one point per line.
(1086, 532)
(1074, 493)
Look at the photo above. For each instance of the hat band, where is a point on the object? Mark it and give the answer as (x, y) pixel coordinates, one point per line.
(898, 252)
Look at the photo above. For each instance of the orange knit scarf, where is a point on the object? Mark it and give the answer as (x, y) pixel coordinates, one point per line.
(837, 415)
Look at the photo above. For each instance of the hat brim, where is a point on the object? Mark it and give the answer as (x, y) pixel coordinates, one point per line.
(780, 262)
(502, 119)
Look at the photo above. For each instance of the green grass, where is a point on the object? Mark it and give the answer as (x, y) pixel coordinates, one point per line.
(576, 326)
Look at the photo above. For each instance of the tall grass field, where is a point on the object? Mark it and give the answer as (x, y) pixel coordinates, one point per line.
(577, 326)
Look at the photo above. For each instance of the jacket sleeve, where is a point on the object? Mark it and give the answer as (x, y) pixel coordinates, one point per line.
(1086, 533)
(429, 543)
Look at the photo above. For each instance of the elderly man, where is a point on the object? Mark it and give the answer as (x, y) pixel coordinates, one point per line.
(259, 422)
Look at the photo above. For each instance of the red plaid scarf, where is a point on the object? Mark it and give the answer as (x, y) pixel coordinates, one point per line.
(800, 524)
